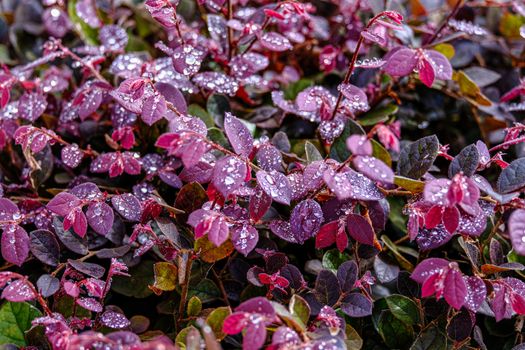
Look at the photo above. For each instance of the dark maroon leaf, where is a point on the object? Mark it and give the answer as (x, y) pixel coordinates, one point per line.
(360, 229)
(305, 220)
(327, 288)
(356, 305)
(44, 247)
(128, 206)
(89, 269)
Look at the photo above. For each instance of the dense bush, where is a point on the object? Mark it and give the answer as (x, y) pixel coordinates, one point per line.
(220, 173)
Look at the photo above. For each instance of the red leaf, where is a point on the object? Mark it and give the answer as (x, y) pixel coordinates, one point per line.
(426, 72)
(451, 219)
(434, 216)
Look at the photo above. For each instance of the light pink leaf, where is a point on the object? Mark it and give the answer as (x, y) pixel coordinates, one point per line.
(401, 62)
(441, 64)
(374, 169)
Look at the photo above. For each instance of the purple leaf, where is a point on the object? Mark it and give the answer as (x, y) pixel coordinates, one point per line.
(258, 305)
(350, 184)
(44, 247)
(56, 21)
(18, 291)
(113, 38)
(228, 175)
(173, 96)
(428, 239)
(427, 268)
(90, 304)
(63, 203)
(356, 305)
(90, 269)
(441, 64)
(154, 109)
(360, 229)
(347, 275)
(327, 289)
(516, 228)
(305, 220)
(269, 158)
(31, 105)
(71, 155)
(15, 244)
(87, 191)
(455, 289)
(476, 293)
(244, 238)
(275, 42)
(100, 217)
(275, 185)
(87, 12)
(218, 231)
(127, 65)
(359, 145)
(402, 62)
(47, 285)
(187, 59)
(356, 97)
(8, 210)
(128, 206)
(374, 169)
(114, 320)
(216, 82)
(238, 134)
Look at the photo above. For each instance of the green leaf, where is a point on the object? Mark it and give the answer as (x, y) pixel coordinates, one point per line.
(216, 135)
(216, 319)
(199, 112)
(88, 34)
(430, 338)
(403, 262)
(395, 333)
(379, 114)
(338, 151)
(194, 306)
(165, 276)
(299, 308)
(332, 259)
(137, 285)
(312, 153)
(353, 339)
(416, 158)
(414, 186)
(381, 153)
(217, 105)
(403, 308)
(205, 290)
(15, 320)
